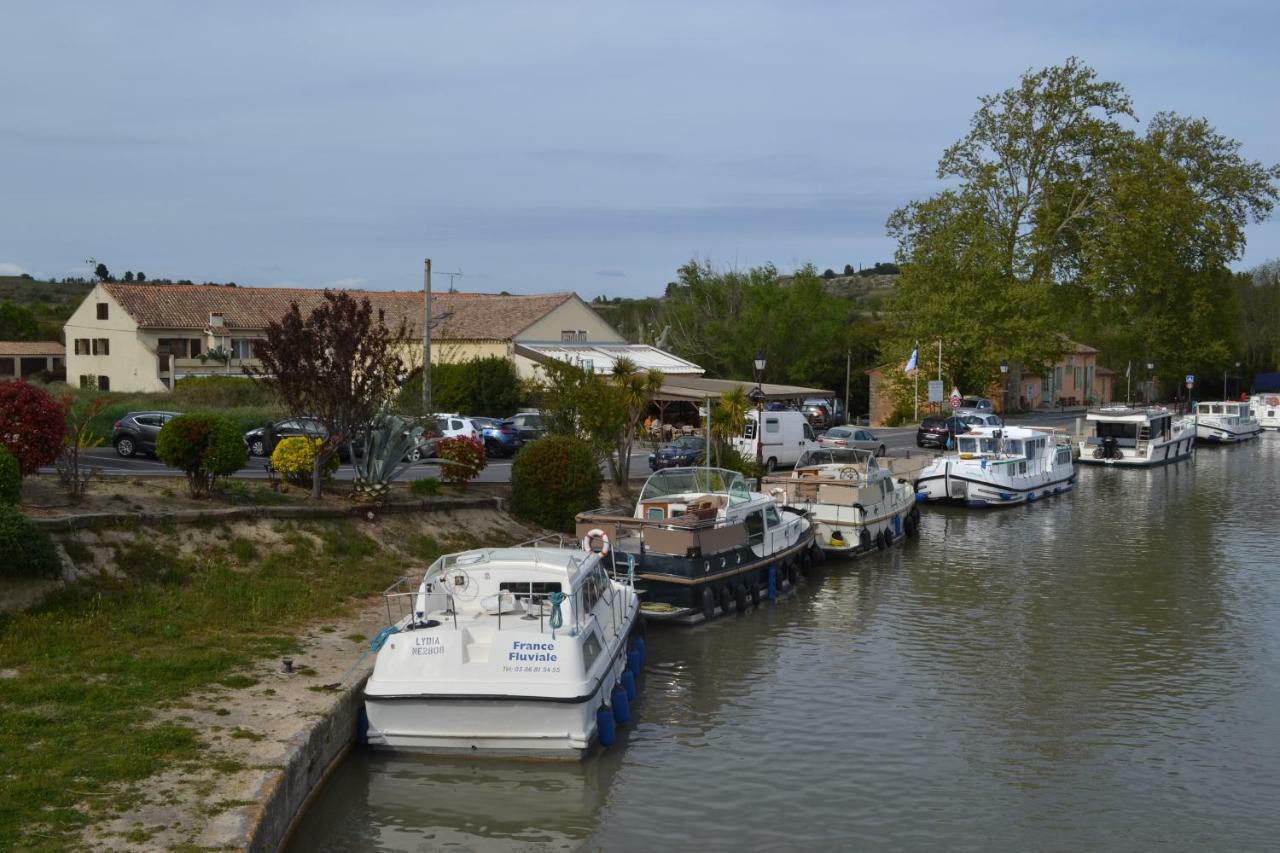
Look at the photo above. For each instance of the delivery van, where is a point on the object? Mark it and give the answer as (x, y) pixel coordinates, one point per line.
(786, 436)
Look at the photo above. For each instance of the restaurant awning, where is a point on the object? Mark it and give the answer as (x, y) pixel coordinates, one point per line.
(600, 357)
(698, 388)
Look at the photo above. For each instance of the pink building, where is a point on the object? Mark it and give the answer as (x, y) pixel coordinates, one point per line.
(1076, 380)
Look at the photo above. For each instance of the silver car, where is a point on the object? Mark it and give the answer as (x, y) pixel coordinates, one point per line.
(974, 406)
(983, 420)
(847, 436)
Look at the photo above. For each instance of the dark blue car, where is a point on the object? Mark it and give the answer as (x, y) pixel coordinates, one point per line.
(682, 451)
(500, 437)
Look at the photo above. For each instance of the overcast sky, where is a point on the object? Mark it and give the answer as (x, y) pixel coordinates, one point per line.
(544, 146)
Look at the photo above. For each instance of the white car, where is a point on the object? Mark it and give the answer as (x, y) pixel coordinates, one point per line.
(452, 426)
(983, 420)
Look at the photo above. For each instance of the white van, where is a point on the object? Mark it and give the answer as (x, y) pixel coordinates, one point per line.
(787, 435)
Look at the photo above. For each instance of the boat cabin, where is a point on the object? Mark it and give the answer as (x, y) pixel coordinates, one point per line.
(1129, 427)
(1225, 412)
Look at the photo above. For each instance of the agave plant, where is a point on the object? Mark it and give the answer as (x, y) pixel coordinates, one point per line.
(382, 454)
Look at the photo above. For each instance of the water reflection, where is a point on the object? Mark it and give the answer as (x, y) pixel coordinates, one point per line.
(1097, 671)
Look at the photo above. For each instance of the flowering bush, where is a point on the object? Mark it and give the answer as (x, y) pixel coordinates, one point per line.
(461, 459)
(32, 424)
(204, 446)
(295, 457)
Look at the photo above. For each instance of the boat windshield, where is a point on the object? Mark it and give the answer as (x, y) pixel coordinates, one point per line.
(977, 445)
(837, 456)
(696, 481)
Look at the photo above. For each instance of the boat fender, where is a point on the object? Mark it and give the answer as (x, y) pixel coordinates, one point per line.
(740, 598)
(621, 707)
(420, 606)
(755, 594)
(605, 729)
(629, 685)
(819, 556)
(708, 602)
(772, 582)
(596, 533)
(633, 661)
(880, 539)
(864, 539)
(726, 595)
(897, 525)
(376, 643)
(557, 618)
(640, 649)
(362, 727)
(915, 513)
(793, 573)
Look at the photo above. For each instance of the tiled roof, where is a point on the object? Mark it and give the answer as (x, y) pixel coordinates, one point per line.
(470, 316)
(32, 348)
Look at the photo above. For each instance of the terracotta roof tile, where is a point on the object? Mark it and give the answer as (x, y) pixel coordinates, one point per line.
(32, 348)
(466, 316)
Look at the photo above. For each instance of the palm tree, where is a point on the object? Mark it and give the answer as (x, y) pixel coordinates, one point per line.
(729, 417)
(637, 389)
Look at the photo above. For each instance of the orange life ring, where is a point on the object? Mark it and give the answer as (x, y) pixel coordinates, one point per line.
(596, 533)
(1273, 401)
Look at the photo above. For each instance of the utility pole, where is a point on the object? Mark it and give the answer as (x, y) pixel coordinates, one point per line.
(426, 337)
(848, 365)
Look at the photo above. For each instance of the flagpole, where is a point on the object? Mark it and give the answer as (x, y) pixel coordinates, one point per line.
(915, 399)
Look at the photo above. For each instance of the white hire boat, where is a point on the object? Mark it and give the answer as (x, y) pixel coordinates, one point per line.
(1000, 466)
(855, 505)
(515, 651)
(1225, 422)
(1134, 437)
(1265, 409)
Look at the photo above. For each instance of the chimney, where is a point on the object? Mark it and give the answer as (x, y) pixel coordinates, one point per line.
(215, 320)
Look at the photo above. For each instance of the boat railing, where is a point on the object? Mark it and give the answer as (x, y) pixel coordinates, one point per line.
(620, 517)
(403, 600)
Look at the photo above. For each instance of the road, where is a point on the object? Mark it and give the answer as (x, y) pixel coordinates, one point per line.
(899, 441)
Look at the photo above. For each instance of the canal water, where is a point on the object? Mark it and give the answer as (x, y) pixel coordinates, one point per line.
(1100, 671)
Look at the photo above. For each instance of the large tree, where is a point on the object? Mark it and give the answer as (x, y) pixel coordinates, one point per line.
(1063, 219)
(340, 364)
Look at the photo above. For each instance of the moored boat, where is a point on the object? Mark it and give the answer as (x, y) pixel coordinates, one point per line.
(1000, 466)
(508, 651)
(1225, 422)
(855, 505)
(1264, 401)
(1136, 437)
(701, 544)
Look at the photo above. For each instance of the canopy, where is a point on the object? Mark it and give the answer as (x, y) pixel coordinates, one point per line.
(698, 388)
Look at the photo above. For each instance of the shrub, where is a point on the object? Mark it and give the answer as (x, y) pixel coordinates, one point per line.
(295, 457)
(554, 479)
(425, 488)
(25, 550)
(31, 425)
(204, 446)
(461, 459)
(487, 387)
(10, 478)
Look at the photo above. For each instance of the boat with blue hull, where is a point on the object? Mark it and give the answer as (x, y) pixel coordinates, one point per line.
(999, 466)
(700, 544)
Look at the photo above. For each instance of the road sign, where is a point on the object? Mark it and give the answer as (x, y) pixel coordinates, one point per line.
(1191, 380)
(935, 390)
(956, 399)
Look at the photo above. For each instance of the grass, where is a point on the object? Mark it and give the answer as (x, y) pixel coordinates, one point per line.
(97, 660)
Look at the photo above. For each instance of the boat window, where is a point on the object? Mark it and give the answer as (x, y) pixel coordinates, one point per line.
(771, 425)
(1204, 408)
(1217, 409)
(755, 527)
(1111, 429)
(1014, 447)
(1032, 449)
(988, 445)
(968, 445)
(771, 516)
(655, 513)
(529, 588)
(738, 491)
(1022, 467)
(590, 650)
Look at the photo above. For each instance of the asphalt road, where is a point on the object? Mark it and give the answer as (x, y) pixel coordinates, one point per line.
(898, 441)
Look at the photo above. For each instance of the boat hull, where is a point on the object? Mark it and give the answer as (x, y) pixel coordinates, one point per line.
(962, 490)
(1173, 451)
(1209, 434)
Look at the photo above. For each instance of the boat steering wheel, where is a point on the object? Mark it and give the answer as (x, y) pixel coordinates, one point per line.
(460, 584)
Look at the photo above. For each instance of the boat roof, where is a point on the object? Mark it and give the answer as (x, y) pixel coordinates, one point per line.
(838, 456)
(547, 559)
(1007, 432)
(1128, 413)
(693, 480)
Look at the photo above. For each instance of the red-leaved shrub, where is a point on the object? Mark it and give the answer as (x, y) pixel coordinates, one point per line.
(461, 459)
(32, 425)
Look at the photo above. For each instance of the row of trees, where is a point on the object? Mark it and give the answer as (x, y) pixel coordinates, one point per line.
(1062, 216)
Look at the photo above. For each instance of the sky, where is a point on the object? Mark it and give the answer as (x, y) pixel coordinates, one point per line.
(544, 146)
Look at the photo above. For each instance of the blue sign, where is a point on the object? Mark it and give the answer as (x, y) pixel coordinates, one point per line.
(1191, 379)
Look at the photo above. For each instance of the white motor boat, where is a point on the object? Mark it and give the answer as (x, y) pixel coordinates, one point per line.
(1265, 409)
(855, 505)
(515, 651)
(1225, 422)
(1137, 437)
(1000, 466)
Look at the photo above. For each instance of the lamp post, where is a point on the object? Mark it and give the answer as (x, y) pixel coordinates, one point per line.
(1150, 375)
(1004, 388)
(757, 394)
(1237, 375)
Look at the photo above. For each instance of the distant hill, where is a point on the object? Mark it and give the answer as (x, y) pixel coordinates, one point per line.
(51, 302)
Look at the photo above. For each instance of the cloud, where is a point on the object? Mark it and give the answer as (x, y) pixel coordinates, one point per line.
(11, 269)
(611, 273)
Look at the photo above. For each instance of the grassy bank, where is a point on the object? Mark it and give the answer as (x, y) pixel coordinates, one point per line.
(173, 611)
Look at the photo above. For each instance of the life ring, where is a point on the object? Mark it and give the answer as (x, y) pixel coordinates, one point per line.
(596, 533)
(776, 493)
(1273, 401)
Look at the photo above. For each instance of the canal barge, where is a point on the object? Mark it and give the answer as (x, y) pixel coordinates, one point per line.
(1000, 466)
(699, 544)
(854, 504)
(1225, 422)
(1136, 437)
(1264, 405)
(527, 651)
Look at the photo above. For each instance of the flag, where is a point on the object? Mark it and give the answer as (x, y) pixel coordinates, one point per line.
(1127, 368)
(911, 362)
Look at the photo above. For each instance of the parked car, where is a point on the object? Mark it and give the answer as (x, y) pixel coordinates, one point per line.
(263, 440)
(453, 426)
(500, 437)
(843, 436)
(939, 432)
(974, 406)
(787, 435)
(136, 432)
(686, 450)
(983, 420)
(823, 413)
(529, 425)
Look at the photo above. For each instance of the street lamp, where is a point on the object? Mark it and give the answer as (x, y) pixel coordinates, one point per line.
(1004, 388)
(1237, 374)
(1150, 376)
(757, 397)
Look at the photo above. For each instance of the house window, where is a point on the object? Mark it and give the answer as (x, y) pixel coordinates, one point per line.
(570, 336)
(101, 346)
(102, 310)
(242, 348)
(104, 383)
(82, 346)
(195, 347)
